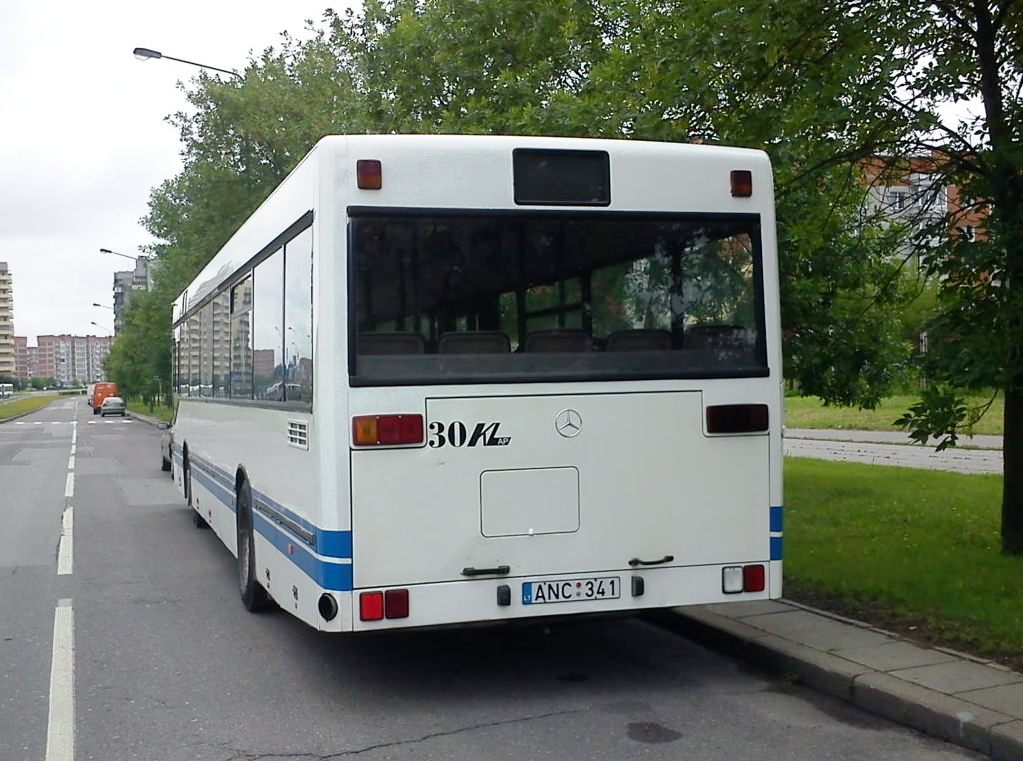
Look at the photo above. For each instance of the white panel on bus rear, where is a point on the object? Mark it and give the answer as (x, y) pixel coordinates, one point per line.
(650, 485)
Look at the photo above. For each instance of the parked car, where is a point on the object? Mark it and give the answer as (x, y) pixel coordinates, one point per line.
(112, 405)
(166, 445)
(100, 392)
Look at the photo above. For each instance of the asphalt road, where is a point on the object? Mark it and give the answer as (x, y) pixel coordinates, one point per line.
(141, 650)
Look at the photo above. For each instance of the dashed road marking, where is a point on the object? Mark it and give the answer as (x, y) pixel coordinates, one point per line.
(66, 551)
(60, 730)
(69, 486)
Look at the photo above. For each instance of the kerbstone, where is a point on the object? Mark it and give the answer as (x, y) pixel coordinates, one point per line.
(1007, 741)
(928, 710)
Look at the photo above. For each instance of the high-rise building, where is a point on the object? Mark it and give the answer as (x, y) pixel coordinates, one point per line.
(21, 365)
(7, 353)
(126, 283)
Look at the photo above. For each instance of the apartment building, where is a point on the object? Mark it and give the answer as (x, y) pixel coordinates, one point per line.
(126, 283)
(71, 359)
(22, 369)
(7, 351)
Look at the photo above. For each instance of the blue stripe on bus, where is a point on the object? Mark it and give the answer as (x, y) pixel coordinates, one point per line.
(777, 519)
(333, 576)
(777, 550)
(335, 544)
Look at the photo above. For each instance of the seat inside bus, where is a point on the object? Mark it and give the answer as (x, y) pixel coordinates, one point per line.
(558, 341)
(391, 343)
(639, 340)
(474, 342)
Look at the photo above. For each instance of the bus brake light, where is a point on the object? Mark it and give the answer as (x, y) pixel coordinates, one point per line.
(387, 430)
(396, 603)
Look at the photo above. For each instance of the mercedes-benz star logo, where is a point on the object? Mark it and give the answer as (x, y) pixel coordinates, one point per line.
(569, 423)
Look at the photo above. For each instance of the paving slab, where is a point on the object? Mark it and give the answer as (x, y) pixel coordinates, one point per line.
(958, 676)
(892, 655)
(815, 631)
(1007, 698)
(753, 608)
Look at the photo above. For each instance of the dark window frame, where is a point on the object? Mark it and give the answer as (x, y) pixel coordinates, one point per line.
(754, 219)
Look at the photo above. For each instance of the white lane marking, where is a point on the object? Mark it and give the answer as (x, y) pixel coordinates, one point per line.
(74, 435)
(60, 730)
(66, 553)
(69, 487)
(73, 450)
(38, 422)
(71, 462)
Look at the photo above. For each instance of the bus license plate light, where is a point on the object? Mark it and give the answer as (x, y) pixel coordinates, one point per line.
(571, 590)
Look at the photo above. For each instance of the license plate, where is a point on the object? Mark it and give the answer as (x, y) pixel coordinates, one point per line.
(571, 590)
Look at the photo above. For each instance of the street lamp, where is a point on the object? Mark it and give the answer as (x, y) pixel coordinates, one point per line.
(115, 253)
(102, 306)
(144, 54)
(101, 327)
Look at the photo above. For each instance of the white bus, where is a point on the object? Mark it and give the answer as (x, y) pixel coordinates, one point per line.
(6, 390)
(446, 379)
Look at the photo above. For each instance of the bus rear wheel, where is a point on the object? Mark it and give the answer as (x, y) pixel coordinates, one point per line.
(254, 597)
(186, 478)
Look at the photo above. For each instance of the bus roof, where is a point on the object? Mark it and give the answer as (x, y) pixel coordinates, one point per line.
(475, 172)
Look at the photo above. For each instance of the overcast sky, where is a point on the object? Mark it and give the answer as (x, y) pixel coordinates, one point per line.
(83, 137)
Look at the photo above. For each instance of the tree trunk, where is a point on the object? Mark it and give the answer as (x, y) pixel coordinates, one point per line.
(1012, 469)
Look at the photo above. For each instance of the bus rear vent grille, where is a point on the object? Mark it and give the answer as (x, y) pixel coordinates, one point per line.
(298, 434)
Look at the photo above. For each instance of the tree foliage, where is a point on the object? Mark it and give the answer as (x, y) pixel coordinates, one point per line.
(821, 85)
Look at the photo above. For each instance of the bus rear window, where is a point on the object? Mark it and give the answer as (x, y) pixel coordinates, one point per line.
(441, 297)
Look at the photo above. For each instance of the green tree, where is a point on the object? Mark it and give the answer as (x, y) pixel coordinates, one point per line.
(973, 51)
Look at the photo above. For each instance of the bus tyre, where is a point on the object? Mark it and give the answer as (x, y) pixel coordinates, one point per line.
(254, 597)
(165, 465)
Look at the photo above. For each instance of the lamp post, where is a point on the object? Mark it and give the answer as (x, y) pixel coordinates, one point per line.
(144, 54)
(101, 327)
(116, 253)
(102, 306)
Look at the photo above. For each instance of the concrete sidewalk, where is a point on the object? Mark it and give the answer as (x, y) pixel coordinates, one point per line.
(965, 700)
(975, 455)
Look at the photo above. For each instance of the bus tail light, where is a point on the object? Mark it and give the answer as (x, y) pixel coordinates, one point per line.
(753, 578)
(375, 606)
(369, 173)
(396, 603)
(742, 183)
(737, 418)
(387, 430)
(743, 578)
(371, 606)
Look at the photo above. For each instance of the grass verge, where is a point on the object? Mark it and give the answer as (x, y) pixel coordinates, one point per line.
(809, 412)
(910, 550)
(163, 413)
(19, 407)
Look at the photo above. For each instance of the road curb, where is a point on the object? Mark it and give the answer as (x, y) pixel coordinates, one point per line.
(153, 421)
(929, 711)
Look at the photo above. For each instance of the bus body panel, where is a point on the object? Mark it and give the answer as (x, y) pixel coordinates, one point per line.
(638, 479)
(330, 486)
